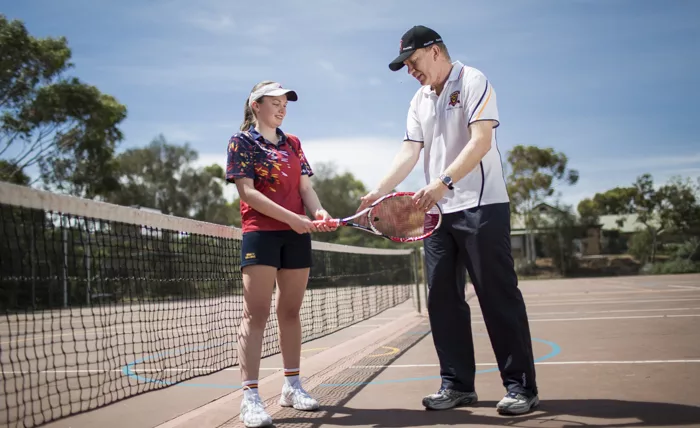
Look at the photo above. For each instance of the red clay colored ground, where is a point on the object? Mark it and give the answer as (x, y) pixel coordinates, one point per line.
(613, 352)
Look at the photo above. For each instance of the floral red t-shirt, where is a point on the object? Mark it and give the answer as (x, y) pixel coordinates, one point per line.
(276, 171)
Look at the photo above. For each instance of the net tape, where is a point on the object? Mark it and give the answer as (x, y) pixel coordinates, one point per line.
(103, 302)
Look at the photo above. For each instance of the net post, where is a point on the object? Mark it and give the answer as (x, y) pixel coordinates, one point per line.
(64, 232)
(416, 262)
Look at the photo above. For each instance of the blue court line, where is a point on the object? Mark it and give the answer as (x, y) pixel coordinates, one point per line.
(555, 350)
(128, 368)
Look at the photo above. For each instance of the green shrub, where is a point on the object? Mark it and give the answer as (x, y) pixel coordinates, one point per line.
(675, 266)
(639, 246)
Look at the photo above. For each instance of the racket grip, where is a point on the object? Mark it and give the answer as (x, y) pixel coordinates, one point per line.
(332, 222)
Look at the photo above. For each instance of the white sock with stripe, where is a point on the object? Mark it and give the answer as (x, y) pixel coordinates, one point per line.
(291, 376)
(250, 389)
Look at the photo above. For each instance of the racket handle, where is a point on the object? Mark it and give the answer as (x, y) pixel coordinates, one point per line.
(331, 222)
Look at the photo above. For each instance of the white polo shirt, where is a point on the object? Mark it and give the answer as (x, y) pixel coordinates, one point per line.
(442, 125)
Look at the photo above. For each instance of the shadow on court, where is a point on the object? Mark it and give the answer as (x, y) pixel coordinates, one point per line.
(551, 413)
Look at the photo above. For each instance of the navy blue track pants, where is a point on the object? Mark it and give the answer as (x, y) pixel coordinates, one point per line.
(477, 241)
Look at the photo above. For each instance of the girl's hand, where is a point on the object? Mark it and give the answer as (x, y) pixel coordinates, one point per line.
(325, 225)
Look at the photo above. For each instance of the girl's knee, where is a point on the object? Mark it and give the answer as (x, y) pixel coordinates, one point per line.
(288, 314)
(256, 317)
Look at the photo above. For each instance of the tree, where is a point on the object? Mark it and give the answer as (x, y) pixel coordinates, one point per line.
(163, 176)
(558, 239)
(67, 128)
(679, 206)
(589, 212)
(672, 207)
(8, 172)
(534, 175)
(207, 197)
(619, 200)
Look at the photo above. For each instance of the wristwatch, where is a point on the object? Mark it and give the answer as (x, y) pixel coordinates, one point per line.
(447, 181)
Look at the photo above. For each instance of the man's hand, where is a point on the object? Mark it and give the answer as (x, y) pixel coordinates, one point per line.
(323, 215)
(429, 195)
(369, 199)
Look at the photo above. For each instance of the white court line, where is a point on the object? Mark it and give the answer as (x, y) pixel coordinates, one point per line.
(688, 287)
(613, 311)
(610, 318)
(543, 363)
(606, 302)
(35, 337)
(590, 293)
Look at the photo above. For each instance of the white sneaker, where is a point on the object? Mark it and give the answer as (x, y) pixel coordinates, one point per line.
(253, 412)
(517, 404)
(295, 396)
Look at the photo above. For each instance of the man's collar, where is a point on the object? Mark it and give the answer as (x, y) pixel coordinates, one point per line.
(454, 75)
(456, 71)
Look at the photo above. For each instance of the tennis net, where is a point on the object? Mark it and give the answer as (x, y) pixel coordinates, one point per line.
(103, 302)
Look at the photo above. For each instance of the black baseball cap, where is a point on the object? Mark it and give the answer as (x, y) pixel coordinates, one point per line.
(416, 38)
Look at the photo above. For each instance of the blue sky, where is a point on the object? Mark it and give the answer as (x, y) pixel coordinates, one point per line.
(611, 83)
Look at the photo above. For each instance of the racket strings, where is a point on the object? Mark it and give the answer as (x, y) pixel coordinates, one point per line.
(399, 217)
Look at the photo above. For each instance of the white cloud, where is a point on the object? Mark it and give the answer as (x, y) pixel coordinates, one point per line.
(200, 76)
(368, 159)
(332, 71)
(211, 22)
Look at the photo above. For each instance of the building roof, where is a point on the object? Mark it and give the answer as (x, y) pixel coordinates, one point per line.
(630, 222)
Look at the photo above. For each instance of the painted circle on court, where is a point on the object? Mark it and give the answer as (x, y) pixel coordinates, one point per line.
(128, 369)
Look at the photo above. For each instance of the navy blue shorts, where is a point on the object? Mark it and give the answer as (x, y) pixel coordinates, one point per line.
(283, 249)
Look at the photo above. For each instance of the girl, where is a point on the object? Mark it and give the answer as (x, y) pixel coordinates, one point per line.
(272, 175)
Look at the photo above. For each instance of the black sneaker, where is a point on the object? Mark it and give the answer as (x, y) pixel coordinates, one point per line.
(515, 403)
(449, 398)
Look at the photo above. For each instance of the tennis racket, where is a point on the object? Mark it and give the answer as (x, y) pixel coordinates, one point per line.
(394, 216)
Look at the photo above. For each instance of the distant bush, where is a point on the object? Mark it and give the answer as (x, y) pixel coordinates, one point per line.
(639, 246)
(675, 266)
(685, 258)
(689, 250)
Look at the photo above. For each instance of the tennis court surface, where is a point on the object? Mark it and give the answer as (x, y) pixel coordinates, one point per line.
(116, 317)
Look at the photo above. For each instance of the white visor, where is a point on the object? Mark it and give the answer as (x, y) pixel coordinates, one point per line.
(272, 90)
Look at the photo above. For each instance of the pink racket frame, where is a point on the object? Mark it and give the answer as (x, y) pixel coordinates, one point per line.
(368, 211)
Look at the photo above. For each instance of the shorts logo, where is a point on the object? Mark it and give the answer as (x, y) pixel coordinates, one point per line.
(454, 98)
(249, 256)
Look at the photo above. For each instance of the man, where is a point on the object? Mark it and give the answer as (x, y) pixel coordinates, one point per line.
(453, 117)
